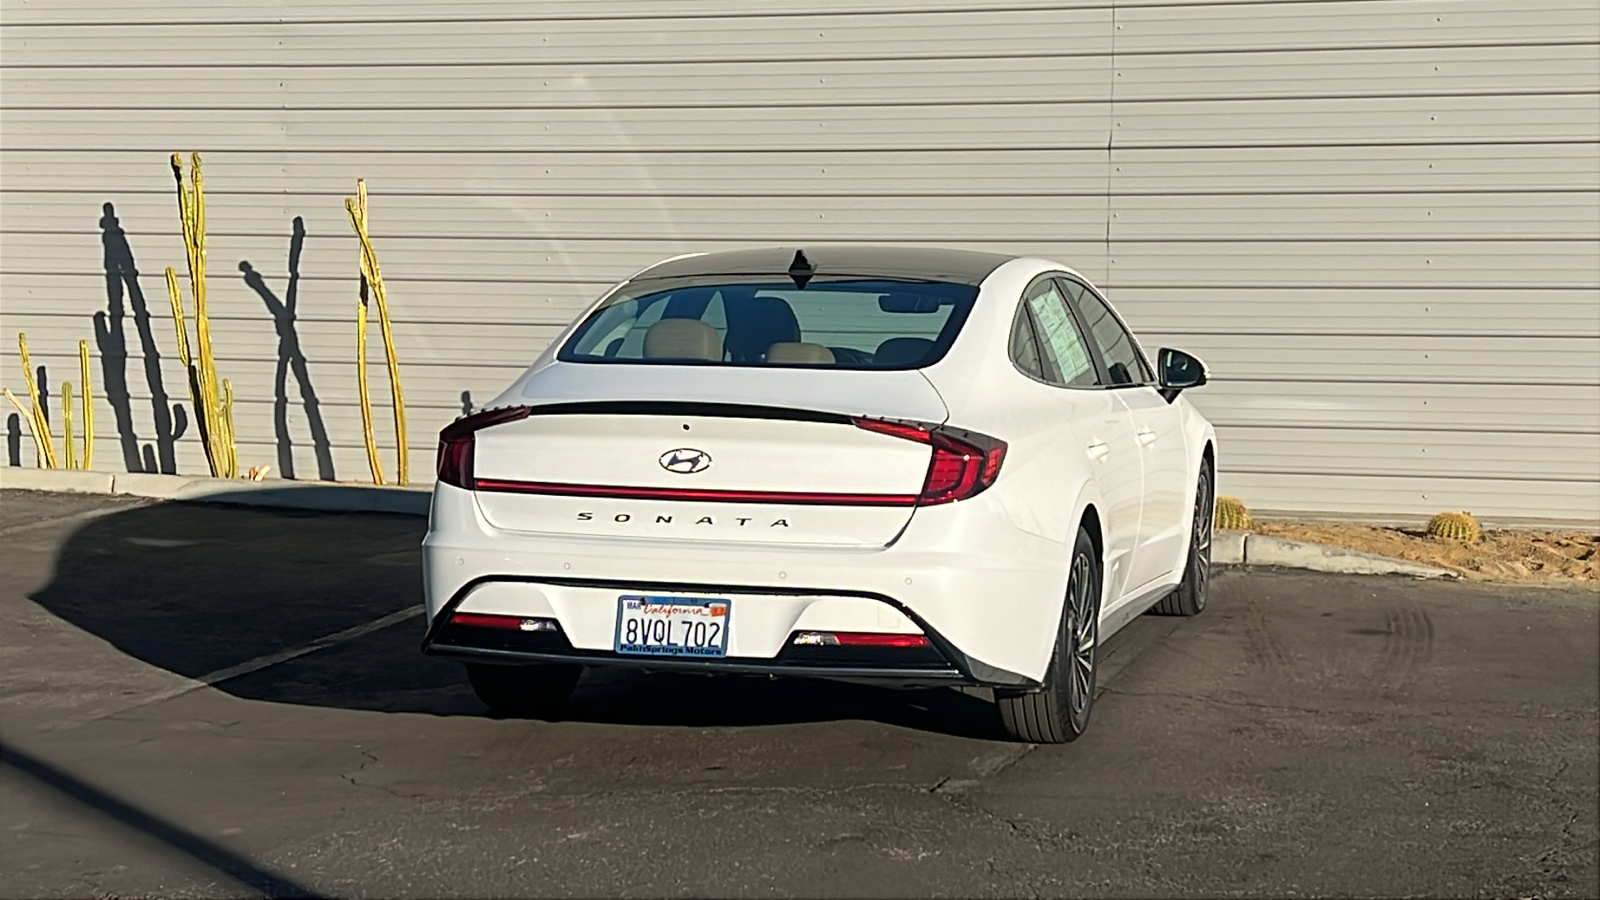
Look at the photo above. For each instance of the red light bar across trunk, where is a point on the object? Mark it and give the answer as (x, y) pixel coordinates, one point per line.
(704, 495)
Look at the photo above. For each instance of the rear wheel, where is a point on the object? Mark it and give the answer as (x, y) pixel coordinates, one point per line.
(1059, 710)
(1189, 598)
(536, 691)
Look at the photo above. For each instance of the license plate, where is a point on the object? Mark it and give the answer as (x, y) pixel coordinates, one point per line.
(672, 626)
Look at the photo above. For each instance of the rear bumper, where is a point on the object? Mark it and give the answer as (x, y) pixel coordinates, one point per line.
(987, 595)
(938, 664)
(932, 665)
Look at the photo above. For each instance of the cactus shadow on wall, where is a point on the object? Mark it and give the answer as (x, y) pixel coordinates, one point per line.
(124, 296)
(41, 377)
(291, 359)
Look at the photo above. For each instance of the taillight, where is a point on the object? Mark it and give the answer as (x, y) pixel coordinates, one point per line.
(511, 623)
(454, 461)
(964, 463)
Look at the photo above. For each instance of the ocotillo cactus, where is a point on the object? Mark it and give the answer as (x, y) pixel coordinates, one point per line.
(1231, 514)
(33, 429)
(88, 406)
(1456, 526)
(204, 388)
(226, 422)
(367, 435)
(40, 422)
(373, 281)
(68, 452)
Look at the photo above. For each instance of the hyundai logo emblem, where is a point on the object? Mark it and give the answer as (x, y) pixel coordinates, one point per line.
(685, 460)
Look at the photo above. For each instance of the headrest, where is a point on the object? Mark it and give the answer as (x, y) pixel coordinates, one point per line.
(797, 353)
(682, 339)
(756, 323)
(902, 351)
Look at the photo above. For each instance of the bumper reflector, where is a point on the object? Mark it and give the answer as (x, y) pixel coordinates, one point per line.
(857, 639)
(513, 623)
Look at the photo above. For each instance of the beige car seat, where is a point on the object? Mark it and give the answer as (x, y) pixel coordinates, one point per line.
(682, 339)
(797, 353)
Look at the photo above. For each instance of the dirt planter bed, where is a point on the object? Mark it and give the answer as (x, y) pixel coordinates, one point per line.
(1521, 556)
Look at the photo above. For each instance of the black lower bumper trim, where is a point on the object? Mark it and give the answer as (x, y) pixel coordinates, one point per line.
(723, 666)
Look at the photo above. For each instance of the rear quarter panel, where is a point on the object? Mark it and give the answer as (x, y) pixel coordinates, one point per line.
(1046, 481)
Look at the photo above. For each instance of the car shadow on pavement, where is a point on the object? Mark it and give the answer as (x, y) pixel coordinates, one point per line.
(198, 588)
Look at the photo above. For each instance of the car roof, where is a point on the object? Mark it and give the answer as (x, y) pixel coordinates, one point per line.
(920, 263)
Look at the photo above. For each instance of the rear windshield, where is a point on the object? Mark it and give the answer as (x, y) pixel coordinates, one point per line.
(838, 323)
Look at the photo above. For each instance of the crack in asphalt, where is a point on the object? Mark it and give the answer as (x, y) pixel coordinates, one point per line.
(372, 758)
(1042, 838)
(1554, 860)
(994, 764)
(983, 767)
(954, 790)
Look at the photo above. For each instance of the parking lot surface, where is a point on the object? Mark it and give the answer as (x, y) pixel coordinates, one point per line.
(207, 700)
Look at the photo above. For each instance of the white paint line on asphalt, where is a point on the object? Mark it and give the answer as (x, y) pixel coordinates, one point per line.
(68, 520)
(244, 668)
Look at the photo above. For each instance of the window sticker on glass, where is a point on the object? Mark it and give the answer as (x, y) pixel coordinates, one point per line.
(1061, 338)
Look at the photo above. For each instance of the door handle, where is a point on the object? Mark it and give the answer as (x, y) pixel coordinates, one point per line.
(1097, 450)
(1147, 436)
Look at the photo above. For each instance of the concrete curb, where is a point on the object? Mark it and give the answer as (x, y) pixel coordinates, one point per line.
(280, 494)
(1228, 548)
(1238, 548)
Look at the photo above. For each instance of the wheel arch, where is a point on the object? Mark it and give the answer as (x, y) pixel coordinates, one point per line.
(1089, 521)
(1208, 464)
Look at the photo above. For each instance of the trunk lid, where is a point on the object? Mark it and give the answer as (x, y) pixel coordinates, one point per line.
(764, 457)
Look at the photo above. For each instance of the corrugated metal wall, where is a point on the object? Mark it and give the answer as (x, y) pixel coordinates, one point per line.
(1377, 220)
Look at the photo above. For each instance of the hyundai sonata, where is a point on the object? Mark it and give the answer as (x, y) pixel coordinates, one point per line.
(900, 466)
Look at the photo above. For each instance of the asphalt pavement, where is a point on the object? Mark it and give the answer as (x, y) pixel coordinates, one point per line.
(214, 701)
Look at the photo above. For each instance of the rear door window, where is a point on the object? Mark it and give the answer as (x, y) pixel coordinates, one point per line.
(1066, 354)
(1025, 345)
(1125, 365)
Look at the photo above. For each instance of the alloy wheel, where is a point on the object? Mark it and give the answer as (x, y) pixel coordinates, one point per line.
(1204, 509)
(1082, 634)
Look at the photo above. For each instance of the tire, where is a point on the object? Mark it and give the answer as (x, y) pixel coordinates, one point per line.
(1058, 711)
(1189, 598)
(524, 691)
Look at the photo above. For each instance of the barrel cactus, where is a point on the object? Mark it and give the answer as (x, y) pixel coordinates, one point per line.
(1231, 514)
(1455, 526)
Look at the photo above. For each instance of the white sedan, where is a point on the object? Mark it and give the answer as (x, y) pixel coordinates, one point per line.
(901, 466)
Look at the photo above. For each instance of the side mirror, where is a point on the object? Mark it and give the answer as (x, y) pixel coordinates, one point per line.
(1178, 371)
